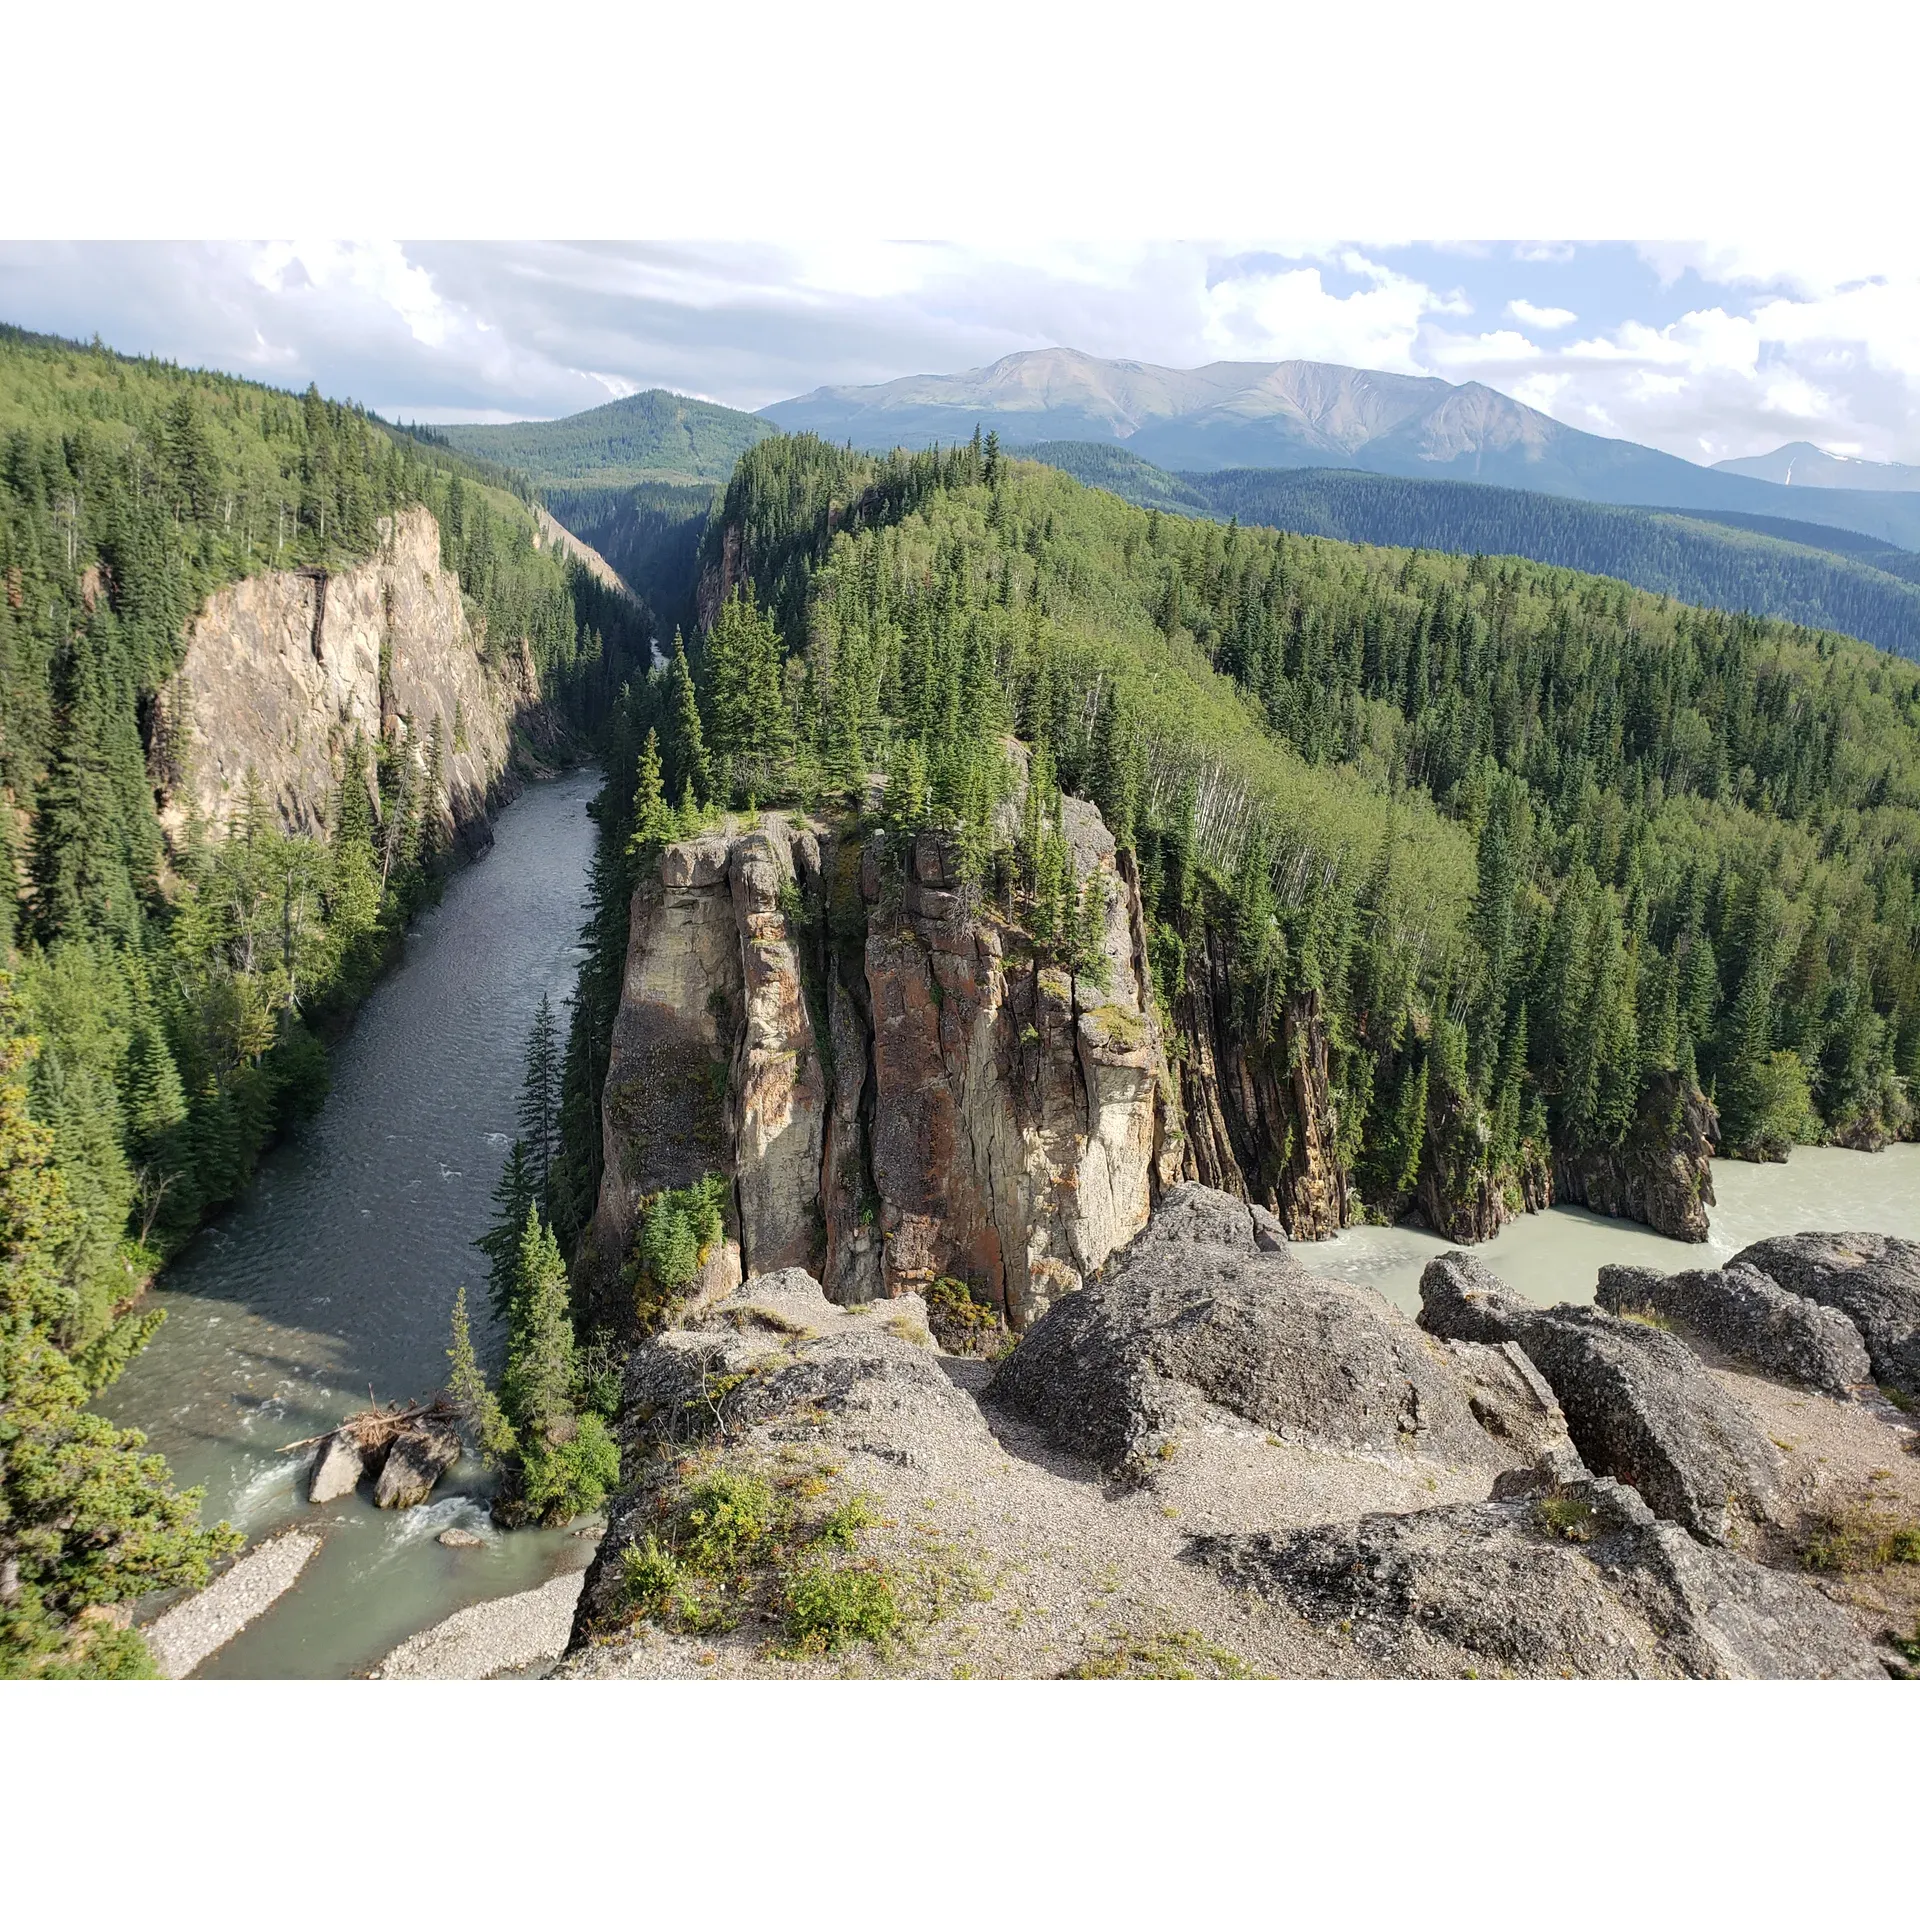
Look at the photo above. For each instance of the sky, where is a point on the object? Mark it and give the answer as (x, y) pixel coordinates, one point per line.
(1705, 351)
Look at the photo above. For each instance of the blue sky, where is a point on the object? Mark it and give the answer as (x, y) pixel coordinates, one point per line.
(1704, 351)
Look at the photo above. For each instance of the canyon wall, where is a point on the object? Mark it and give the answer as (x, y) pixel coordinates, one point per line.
(895, 1086)
(893, 1083)
(282, 669)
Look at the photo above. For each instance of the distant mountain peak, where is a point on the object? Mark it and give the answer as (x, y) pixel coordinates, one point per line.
(1312, 413)
(1801, 464)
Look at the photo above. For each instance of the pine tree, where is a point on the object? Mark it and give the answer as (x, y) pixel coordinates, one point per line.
(752, 733)
(652, 822)
(467, 1388)
(513, 1193)
(536, 1387)
(86, 1518)
(686, 768)
(539, 1108)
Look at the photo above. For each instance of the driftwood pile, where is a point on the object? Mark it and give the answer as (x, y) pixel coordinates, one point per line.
(409, 1448)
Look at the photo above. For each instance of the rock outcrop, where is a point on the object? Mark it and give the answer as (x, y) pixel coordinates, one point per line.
(419, 1455)
(1305, 1484)
(337, 1467)
(1258, 1118)
(282, 669)
(1748, 1317)
(665, 1109)
(1872, 1278)
(1194, 1318)
(967, 1110)
(1580, 1581)
(1013, 1101)
(1639, 1407)
(1662, 1173)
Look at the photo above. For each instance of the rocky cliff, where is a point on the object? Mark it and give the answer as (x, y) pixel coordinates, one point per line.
(895, 1085)
(282, 669)
(1259, 1118)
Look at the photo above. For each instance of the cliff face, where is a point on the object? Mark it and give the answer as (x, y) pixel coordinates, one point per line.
(281, 669)
(1259, 1119)
(970, 1113)
(1663, 1174)
(896, 1087)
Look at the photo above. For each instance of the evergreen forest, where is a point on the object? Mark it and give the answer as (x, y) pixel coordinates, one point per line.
(1816, 576)
(165, 1008)
(1539, 845)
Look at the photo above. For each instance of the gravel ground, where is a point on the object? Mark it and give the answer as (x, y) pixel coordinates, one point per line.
(496, 1636)
(185, 1635)
(1854, 1460)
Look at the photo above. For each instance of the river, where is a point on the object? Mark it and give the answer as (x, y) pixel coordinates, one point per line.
(335, 1275)
(1557, 1255)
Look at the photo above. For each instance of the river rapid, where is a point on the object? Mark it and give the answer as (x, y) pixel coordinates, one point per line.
(335, 1276)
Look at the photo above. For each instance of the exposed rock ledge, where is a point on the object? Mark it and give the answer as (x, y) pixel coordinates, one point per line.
(1206, 1463)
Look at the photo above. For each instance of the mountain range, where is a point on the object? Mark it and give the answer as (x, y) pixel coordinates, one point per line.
(1304, 413)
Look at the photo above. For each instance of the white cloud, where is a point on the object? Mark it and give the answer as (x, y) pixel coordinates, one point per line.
(1548, 318)
(1291, 314)
(1771, 344)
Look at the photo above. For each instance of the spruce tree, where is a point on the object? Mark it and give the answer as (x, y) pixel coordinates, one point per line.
(539, 1107)
(86, 1518)
(467, 1388)
(652, 822)
(513, 1193)
(537, 1384)
(686, 768)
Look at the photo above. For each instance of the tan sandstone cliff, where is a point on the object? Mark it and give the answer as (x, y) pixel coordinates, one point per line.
(967, 1111)
(282, 669)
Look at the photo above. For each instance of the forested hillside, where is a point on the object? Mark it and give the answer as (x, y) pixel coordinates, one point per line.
(1534, 853)
(165, 1006)
(1813, 576)
(654, 435)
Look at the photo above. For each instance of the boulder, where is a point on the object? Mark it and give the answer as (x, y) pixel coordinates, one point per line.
(1194, 1318)
(415, 1461)
(1872, 1278)
(1511, 1399)
(459, 1537)
(1582, 1581)
(337, 1468)
(1748, 1317)
(1639, 1407)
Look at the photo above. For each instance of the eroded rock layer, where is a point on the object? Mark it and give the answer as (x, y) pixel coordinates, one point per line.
(283, 668)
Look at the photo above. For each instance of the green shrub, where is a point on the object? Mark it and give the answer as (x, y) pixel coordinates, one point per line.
(652, 1577)
(728, 1516)
(828, 1607)
(563, 1481)
(843, 1527)
(683, 1225)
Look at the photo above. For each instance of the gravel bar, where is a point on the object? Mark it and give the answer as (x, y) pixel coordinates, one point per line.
(495, 1636)
(185, 1635)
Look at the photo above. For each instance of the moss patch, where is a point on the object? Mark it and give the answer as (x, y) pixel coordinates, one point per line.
(1174, 1654)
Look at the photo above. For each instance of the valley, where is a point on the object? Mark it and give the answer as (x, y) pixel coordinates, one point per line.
(1011, 923)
